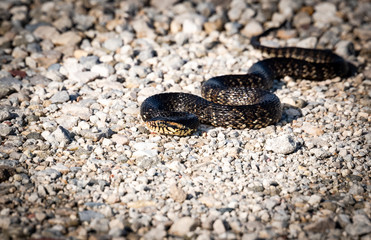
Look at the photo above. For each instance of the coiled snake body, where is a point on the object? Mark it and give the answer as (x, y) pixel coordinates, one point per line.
(240, 101)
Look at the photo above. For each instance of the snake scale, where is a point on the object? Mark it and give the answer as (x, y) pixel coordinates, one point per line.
(240, 100)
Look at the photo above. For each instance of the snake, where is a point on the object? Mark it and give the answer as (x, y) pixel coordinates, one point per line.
(240, 100)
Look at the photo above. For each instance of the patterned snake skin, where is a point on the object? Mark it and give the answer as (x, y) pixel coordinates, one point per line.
(240, 101)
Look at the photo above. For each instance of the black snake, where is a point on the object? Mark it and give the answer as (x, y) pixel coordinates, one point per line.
(242, 100)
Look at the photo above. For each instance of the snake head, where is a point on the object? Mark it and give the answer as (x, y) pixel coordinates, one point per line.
(175, 125)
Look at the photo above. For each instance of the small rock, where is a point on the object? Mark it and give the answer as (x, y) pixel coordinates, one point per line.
(67, 121)
(63, 23)
(314, 200)
(52, 173)
(77, 110)
(61, 135)
(39, 80)
(102, 69)
(232, 28)
(363, 33)
(181, 227)
(361, 225)
(120, 139)
(40, 216)
(219, 227)
(177, 194)
(287, 7)
(99, 224)
(320, 153)
(5, 130)
(142, 29)
(344, 220)
(281, 145)
(302, 19)
(33, 197)
(345, 48)
(356, 189)
(89, 215)
(329, 205)
(61, 168)
(163, 4)
(157, 233)
(95, 136)
(6, 172)
(209, 201)
(326, 13)
(321, 226)
(214, 24)
(252, 28)
(60, 97)
(9, 85)
(5, 115)
(112, 44)
(70, 38)
(46, 32)
(312, 130)
(309, 42)
(192, 24)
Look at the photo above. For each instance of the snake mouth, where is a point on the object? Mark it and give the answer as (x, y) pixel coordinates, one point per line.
(169, 127)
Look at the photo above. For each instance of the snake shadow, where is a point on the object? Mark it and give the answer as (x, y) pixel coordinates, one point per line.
(290, 112)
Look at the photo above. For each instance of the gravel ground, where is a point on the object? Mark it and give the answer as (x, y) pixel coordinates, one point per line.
(77, 163)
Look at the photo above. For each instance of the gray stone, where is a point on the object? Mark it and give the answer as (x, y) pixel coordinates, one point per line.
(88, 215)
(320, 153)
(99, 224)
(5, 130)
(103, 70)
(156, 233)
(83, 22)
(48, 175)
(321, 226)
(33, 197)
(345, 48)
(174, 61)
(39, 80)
(281, 145)
(112, 44)
(326, 13)
(356, 189)
(192, 23)
(95, 136)
(146, 54)
(60, 97)
(314, 200)
(142, 29)
(89, 61)
(361, 225)
(287, 7)
(62, 135)
(236, 10)
(9, 85)
(77, 110)
(344, 220)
